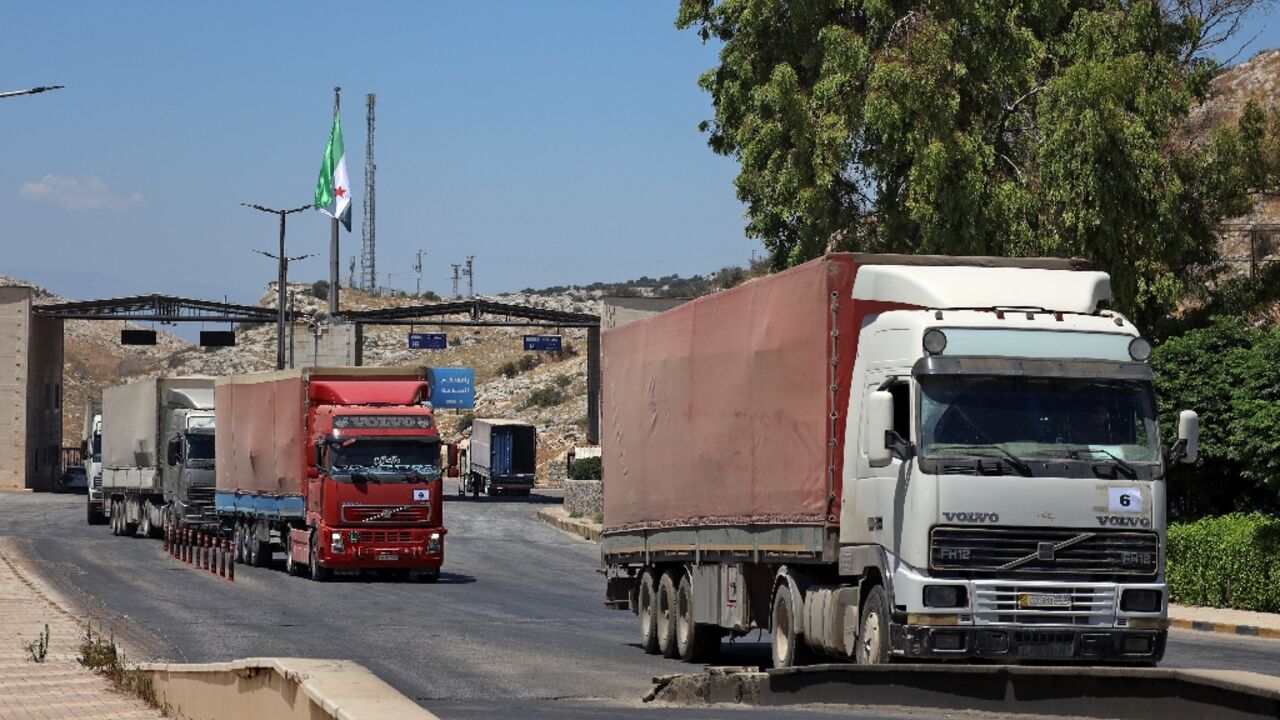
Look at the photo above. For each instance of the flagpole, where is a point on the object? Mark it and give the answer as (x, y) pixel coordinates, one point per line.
(333, 235)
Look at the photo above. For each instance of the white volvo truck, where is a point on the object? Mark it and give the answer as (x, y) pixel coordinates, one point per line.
(891, 457)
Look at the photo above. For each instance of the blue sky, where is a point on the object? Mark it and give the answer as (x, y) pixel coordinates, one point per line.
(555, 141)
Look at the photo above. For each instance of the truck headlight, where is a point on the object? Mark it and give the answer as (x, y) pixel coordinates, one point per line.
(433, 544)
(1141, 600)
(944, 596)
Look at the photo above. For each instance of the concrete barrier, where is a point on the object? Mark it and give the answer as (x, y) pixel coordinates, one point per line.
(1091, 692)
(301, 688)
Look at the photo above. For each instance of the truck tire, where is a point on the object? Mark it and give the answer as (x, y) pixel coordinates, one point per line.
(319, 574)
(291, 566)
(873, 630)
(694, 642)
(113, 516)
(92, 516)
(475, 487)
(145, 525)
(666, 625)
(788, 645)
(647, 609)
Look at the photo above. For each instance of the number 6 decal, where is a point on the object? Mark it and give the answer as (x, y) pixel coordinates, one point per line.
(1124, 500)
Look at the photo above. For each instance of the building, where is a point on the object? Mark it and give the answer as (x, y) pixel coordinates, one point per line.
(30, 394)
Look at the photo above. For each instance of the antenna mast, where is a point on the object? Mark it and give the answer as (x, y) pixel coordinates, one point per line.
(368, 269)
(456, 267)
(471, 288)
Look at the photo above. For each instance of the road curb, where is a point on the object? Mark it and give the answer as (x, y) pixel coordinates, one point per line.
(1086, 692)
(582, 528)
(1225, 628)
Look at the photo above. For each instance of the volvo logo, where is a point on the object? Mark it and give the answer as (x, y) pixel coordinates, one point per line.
(1122, 521)
(972, 517)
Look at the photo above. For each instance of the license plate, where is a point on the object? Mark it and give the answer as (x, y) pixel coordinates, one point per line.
(387, 556)
(1044, 600)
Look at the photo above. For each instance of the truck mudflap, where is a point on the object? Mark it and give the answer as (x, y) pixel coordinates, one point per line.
(1016, 643)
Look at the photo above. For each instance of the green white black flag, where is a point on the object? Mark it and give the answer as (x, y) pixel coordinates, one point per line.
(333, 191)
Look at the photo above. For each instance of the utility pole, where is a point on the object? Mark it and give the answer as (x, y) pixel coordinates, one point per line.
(456, 267)
(369, 229)
(333, 233)
(283, 278)
(470, 273)
(417, 267)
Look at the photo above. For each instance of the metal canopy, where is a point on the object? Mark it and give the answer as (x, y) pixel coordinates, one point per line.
(156, 308)
(475, 309)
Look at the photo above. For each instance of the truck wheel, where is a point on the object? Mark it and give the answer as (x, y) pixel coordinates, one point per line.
(694, 643)
(92, 516)
(145, 525)
(291, 566)
(647, 609)
(873, 631)
(666, 624)
(113, 516)
(788, 645)
(319, 574)
(475, 487)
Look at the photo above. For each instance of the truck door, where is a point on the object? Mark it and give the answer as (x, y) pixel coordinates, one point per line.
(502, 448)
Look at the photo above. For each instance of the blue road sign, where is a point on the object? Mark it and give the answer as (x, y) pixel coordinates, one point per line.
(428, 341)
(542, 342)
(452, 387)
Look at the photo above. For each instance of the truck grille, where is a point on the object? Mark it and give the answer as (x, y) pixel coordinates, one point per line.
(1002, 604)
(386, 536)
(1044, 551)
(385, 513)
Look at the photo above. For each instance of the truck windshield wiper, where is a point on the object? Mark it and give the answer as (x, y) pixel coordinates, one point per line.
(1124, 467)
(1018, 463)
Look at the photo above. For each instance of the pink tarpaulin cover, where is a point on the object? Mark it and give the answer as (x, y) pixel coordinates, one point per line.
(719, 411)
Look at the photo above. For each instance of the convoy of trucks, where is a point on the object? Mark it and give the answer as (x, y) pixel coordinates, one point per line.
(883, 457)
(501, 458)
(157, 455)
(338, 467)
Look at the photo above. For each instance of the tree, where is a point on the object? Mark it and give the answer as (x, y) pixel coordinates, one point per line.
(320, 289)
(989, 127)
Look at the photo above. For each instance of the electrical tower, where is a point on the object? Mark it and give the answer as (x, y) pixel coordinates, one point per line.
(469, 272)
(368, 235)
(417, 267)
(351, 272)
(456, 267)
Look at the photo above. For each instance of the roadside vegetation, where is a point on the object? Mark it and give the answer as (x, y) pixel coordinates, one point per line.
(100, 654)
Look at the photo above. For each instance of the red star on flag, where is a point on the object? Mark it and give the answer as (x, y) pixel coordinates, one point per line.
(340, 191)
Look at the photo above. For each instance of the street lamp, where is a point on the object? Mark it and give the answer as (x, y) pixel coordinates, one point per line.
(30, 91)
(283, 280)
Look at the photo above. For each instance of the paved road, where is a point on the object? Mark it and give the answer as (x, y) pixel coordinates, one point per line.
(514, 628)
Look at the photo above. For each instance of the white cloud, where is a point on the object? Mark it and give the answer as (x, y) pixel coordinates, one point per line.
(78, 193)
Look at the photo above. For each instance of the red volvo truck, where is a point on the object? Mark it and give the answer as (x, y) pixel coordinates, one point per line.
(337, 467)
(881, 457)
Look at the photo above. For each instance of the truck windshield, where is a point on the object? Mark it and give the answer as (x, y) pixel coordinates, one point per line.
(374, 456)
(1080, 419)
(97, 447)
(199, 446)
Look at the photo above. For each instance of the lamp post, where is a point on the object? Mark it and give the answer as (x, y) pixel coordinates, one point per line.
(282, 282)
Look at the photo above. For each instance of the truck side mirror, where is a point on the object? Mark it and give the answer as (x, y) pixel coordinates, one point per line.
(173, 451)
(879, 424)
(1188, 444)
(317, 459)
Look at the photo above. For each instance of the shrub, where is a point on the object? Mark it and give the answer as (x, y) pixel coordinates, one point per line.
(585, 469)
(529, 362)
(544, 397)
(464, 422)
(508, 370)
(563, 380)
(1229, 561)
(320, 289)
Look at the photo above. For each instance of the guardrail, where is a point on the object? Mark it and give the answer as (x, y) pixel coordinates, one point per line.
(1091, 692)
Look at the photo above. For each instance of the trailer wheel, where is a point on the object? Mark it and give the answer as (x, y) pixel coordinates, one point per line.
(145, 525)
(130, 528)
(873, 632)
(319, 574)
(694, 643)
(667, 614)
(647, 609)
(92, 516)
(788, 646)
(475, 486)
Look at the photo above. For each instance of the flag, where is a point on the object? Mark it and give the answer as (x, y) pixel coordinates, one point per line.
(333, 191)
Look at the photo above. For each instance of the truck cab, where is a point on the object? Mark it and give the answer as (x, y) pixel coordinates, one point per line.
(91, 451)
(189, 475)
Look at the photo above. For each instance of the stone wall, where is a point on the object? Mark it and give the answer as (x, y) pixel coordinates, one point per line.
(583, 496)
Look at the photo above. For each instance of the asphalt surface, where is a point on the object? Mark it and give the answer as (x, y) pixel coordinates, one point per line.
(514, 628)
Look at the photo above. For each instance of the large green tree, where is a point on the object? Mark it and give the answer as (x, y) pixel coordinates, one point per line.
(992, 127)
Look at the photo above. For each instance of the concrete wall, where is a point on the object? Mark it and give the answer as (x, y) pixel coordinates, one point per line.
(15, 324)
(30, 394)
(615, 311)
(336, 346)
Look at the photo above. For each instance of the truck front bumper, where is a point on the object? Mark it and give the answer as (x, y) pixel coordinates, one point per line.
(1015, 643)
(376, 550)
